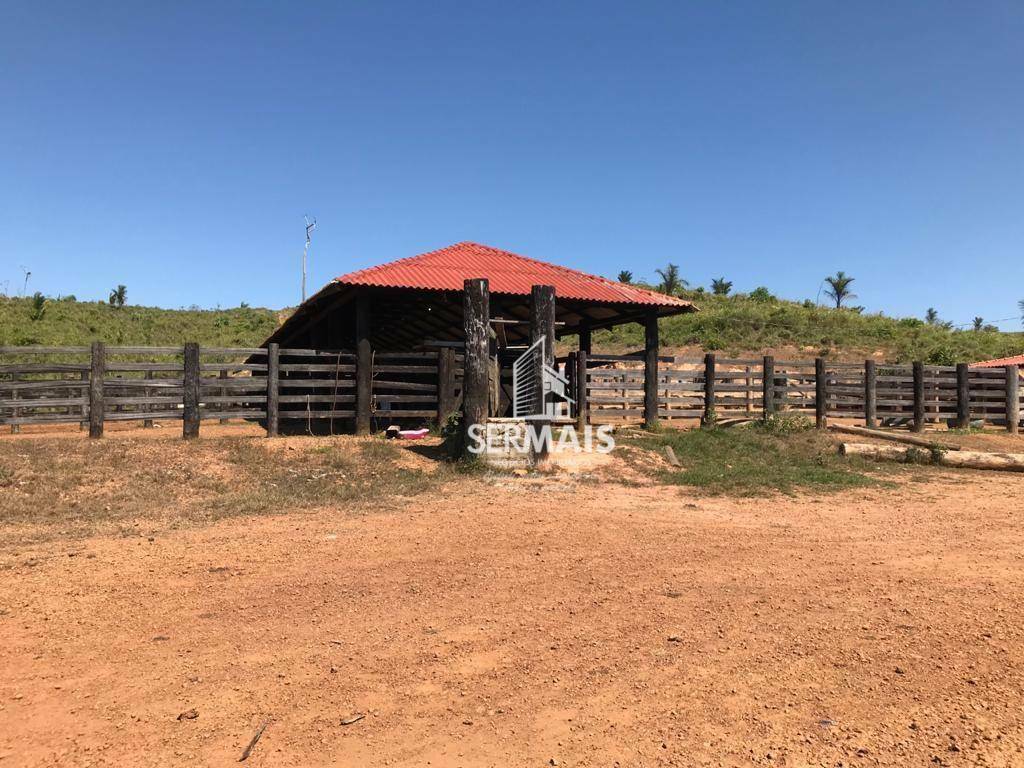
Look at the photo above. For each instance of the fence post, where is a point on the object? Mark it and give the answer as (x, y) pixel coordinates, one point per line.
(84, 394)
(445, 384)
(97, 372)
(768, 386)
(820, 394)
(476, 319)
(582, 407)
(918, 423)
(1013, 399)
(223, 393)
(273, 387)
(870, 394)
(963, 396)
(147, 423)
(651, 370)
(15, 395)
(364, 365)
(708, 419)
(190, 395)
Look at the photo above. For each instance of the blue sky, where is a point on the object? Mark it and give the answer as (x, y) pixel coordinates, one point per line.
(176, 147)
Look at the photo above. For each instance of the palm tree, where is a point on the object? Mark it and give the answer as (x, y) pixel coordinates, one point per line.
(118, 296)
(671, 282)
(625, 276)
(720, 286)
(979, 323)
(38, 309)
(839, 288)
(931, 316)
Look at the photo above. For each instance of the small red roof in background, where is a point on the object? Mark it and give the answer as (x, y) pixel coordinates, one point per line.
(999, 363)
(448, 268)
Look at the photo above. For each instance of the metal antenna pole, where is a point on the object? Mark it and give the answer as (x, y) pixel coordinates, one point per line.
(310, 226)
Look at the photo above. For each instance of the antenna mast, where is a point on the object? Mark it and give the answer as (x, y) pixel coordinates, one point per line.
(310, 226)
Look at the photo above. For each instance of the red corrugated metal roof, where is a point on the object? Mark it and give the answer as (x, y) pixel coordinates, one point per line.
(447, 269)
(999, 363)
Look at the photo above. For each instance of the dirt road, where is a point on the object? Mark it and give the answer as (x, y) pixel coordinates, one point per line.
(531, 623)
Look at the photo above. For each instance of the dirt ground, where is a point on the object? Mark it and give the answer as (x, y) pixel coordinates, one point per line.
(507, 621)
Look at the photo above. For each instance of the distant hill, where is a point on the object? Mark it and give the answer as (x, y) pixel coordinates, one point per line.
(740, 324)
(72, 323)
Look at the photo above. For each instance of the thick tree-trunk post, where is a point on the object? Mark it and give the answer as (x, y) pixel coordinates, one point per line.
(708, 420)
(364, 365)
(190, 413)
(918, 423)
(585, 340)
(223, 393)
(651, 370)
(542, 319)
(445, 384)
(768, 386)
(870, 397)
(97, 372)
(1013, 399)
(476, 317)
(148, 423)
(820, 394)
(582, 408)
(273, 388)
(963, 396)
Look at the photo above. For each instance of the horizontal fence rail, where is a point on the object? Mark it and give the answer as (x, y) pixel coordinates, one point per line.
(94, 385)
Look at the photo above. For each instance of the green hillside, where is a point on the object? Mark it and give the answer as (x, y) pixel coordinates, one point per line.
(73, 323)
(750, 323)
(733, 324)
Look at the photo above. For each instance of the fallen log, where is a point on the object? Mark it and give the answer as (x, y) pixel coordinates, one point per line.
(924, 442)
(1006, 462)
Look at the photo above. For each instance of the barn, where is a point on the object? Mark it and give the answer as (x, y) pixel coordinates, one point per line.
(473, 309)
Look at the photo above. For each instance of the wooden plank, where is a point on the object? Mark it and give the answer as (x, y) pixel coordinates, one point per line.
(32, 350)
(190, 393)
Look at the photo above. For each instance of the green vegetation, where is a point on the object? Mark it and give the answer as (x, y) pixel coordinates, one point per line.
(66, 322)
(749, 323)
(786, 455)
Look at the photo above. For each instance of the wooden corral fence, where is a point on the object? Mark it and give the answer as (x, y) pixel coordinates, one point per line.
(98, 384)
(612, 389)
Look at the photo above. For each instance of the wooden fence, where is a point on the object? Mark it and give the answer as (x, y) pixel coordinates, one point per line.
(98, 384)
(612, 387)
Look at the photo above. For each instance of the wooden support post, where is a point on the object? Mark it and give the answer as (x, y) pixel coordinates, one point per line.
(84, 393)
(768, 386)
(870, 394)
(651, 370)
(820, 394)
(582, 407)
(542, 319)
(15, 413)
(445, 384)
(364, 365)
(748, 396)
(223, 393)
(1013, 399)
(708, 420)
(97, 373)
(963, 396)
(190, 395)
(476, 318)
(147, 423)
(585, 341)
(918, 423)
(273, 388)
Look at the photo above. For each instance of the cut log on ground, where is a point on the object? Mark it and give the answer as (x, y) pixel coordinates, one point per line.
(1006, 462)
(924, 442)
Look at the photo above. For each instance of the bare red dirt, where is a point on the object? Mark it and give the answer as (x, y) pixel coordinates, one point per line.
(531, 622)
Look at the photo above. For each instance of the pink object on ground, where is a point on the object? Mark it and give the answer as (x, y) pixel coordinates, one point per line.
(413, 434)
